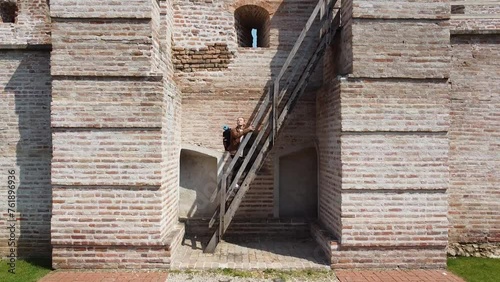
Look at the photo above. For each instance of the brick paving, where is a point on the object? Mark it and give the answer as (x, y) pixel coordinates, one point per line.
(396, 276)
(250, 255)
(257, 254)
(104, 276)
(341, 276)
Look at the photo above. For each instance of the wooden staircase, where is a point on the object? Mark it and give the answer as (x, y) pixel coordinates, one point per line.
(272, 113)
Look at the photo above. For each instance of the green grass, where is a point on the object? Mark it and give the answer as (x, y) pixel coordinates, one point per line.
(470, 269)
(26, 270)
(475, 269)
(285, 275)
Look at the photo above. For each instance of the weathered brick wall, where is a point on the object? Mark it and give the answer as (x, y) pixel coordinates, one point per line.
(395, 155)
(212, 97)
(31, 26)
(106, 157)
(25, 134)
(345, 59)
(171, 131)
(394, 112)
(475, 140)
(101, 9)
(124, 103)
(212, 57)
(26, 148)
(101, 47)
(474, 17)
(399, 105)
(328, 141)
(115, 117)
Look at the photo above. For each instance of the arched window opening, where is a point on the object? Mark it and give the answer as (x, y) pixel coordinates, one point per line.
(252, 26)
(8, 11)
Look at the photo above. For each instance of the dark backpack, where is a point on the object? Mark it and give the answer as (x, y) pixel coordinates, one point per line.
(226, 137)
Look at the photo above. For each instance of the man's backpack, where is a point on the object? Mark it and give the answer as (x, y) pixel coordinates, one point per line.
(226, 137)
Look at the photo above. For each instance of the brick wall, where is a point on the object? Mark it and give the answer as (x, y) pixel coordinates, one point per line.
(393, 114)
(26, 148)
(213, 96)
(100, 47)
(30, 28)
(474, 17)
(101, 9)
(25, 132)
(475, 140)
(328, 139)
(116, 115)
(400, 146)
(212, 57)
(126, 103)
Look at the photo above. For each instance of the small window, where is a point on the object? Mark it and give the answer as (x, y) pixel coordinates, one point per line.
(252, 26)
(8, 11)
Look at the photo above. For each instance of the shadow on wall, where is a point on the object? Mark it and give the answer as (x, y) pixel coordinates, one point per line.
(30, 85)
(279, 31)
(198, 175)
(298, 184)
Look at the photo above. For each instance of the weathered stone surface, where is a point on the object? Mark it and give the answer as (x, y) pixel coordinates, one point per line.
(491, 250)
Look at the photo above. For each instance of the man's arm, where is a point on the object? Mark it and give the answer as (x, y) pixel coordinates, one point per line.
(236, 134)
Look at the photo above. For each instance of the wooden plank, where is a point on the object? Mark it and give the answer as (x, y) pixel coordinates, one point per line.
(260, 114)
(222, 208)
(212, 244)
(214, 217)
(247, 159)
(273, 111)
(228, 217)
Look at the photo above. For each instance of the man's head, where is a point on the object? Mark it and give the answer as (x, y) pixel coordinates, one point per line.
(240, 121)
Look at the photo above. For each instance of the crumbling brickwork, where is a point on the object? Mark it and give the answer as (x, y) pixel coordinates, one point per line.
(213, 57)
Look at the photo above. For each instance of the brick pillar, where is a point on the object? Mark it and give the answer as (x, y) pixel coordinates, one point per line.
(393, 107)
(112, 204)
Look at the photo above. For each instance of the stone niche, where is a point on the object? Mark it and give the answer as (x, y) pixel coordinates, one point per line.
(198, 175)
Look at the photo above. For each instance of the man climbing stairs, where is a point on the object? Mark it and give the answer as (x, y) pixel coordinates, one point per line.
(271, 115)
